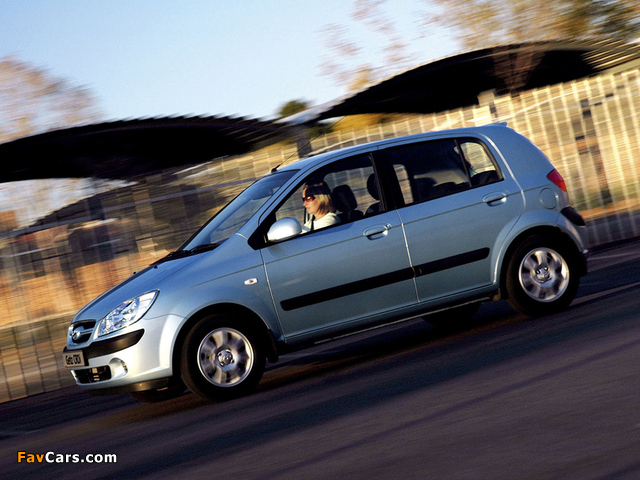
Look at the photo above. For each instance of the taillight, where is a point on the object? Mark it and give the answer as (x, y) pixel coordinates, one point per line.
(556, 178)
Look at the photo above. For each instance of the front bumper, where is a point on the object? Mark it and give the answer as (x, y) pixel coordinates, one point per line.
(110, 345)
(130, 360)
(104, 348)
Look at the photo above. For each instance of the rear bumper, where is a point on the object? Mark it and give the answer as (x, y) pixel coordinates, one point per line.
(580, 227)
(574, 216)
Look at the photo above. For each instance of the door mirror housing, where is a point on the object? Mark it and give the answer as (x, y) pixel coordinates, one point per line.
(284, 229)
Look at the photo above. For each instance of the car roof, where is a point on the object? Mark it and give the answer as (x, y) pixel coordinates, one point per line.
(313, 159)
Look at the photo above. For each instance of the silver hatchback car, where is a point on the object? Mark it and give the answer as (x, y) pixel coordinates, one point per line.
(341, 241)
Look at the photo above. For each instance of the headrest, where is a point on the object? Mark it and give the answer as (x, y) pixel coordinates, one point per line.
(343, 198)
(372, 186)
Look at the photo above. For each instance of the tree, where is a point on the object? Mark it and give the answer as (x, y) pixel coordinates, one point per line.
(32, 101)
(303, 135)
(483, 23)
(292, 107)
(475, 24)
(346, 61)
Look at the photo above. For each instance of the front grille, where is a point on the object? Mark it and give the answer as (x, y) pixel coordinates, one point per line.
(93, 375)
(80, 332)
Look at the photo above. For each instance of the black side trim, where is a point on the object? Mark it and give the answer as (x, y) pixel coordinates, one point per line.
(383, 280)
(452, 262)
(111, 345)
(347, 289)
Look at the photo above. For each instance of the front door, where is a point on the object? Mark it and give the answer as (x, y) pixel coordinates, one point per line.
(345, 274)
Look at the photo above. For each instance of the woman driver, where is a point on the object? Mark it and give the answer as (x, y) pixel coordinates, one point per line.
(316, 198)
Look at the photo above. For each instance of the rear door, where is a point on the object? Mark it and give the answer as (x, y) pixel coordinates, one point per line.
(457, 207)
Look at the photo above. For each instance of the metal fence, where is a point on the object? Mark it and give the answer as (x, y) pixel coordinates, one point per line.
(589, 128)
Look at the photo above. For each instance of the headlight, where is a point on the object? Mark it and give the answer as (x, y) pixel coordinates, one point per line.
(127, 313)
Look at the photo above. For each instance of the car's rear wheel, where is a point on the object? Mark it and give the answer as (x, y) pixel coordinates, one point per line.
(542, 277)
(221, 359)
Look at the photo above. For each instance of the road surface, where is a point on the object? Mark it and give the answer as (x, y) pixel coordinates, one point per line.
(510, 398)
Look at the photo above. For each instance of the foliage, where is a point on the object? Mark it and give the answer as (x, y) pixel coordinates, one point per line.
(32, 101)
(345, 61)
(474, 24)
(482, 23)
(292, 107)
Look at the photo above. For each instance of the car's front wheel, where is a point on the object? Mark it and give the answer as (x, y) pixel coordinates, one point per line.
(542, 277)
(221, 359)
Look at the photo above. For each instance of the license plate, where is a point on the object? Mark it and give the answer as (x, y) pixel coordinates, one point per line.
(73, 359)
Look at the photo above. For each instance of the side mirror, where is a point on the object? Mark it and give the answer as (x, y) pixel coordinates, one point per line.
(284, 229)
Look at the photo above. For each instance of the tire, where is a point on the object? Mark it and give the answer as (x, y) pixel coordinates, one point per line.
(221, 359)
(542, 277)
(159, 394)
(454, 318)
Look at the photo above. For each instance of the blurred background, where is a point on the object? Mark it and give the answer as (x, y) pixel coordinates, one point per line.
(75, 221)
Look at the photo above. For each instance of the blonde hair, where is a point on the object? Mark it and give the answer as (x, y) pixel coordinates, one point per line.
(322, 193)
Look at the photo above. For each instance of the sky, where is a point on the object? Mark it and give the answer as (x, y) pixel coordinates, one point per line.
(154, 58)
(146, 58)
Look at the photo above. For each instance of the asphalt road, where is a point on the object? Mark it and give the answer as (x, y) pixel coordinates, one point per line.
(511, 398)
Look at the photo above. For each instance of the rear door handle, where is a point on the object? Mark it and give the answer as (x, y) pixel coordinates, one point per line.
(376, 231)
(494, 199)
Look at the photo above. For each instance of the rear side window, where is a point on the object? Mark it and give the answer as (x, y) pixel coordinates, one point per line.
(482, 167)
(434, 169)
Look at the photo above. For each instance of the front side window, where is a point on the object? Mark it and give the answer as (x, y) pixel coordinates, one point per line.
(434, 169)
(338, 193)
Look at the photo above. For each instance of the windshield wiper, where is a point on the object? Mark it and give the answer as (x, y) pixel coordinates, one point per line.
(204, 248)
(187, 253)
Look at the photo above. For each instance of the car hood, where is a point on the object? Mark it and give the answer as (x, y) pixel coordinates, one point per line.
(151, 278)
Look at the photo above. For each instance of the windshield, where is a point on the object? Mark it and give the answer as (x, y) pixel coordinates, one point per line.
(232, 217)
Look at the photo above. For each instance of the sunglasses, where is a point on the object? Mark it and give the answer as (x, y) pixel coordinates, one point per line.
(308, 198)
